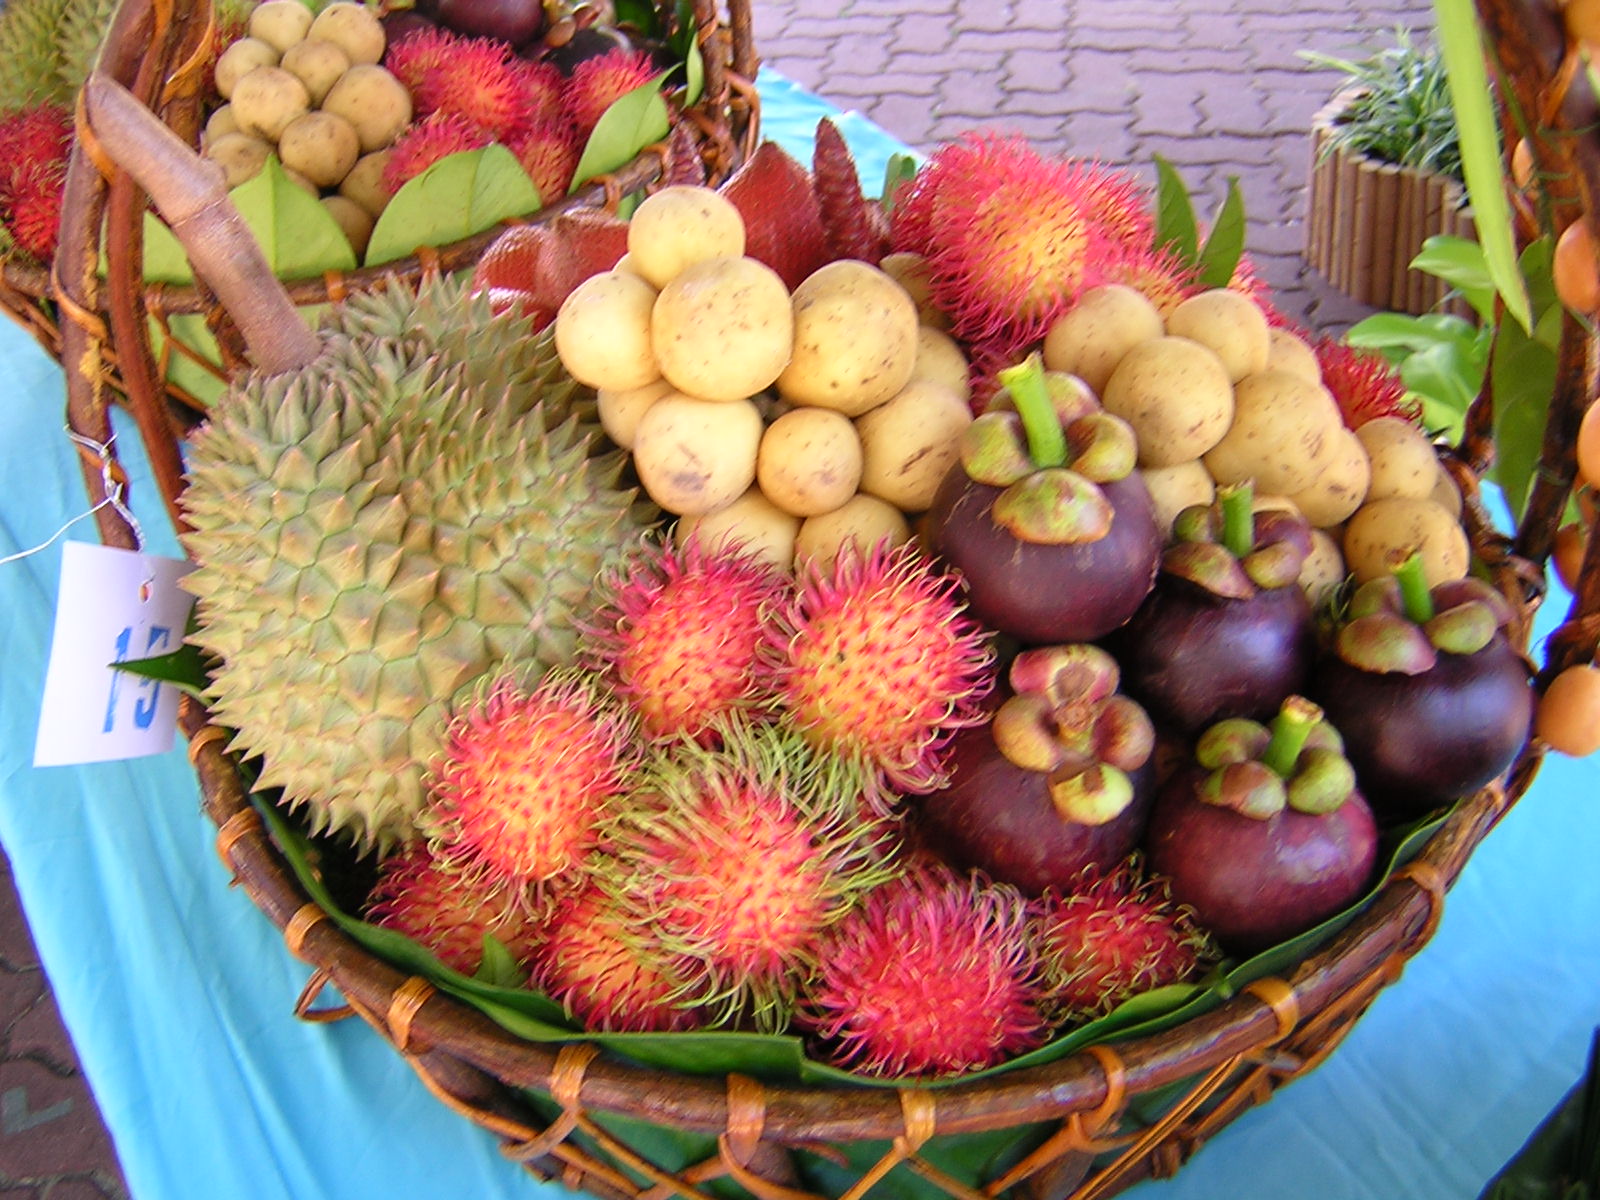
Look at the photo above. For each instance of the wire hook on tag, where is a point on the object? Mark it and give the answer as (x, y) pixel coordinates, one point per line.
(112, 487)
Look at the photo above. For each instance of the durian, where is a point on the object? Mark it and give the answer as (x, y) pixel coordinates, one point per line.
(83, 29)
(372, 532)
(31, 55)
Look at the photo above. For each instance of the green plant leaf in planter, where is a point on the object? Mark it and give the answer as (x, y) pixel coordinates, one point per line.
(635, 120)
(1459, 262)
(458, 196)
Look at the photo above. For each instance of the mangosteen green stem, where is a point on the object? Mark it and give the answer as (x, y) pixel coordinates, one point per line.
(1238, 521)
(1414, 594)
(1047, 445)
(1290, 729)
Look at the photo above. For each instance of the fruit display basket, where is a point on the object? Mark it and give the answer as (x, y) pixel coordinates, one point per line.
(1133, 1104)
(164, 55)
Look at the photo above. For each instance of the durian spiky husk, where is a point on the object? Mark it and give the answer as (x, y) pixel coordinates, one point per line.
(373, 532)
(30, 54)
(83, 29)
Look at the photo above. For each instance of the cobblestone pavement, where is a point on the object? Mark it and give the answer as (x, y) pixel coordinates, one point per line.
(1215, 86)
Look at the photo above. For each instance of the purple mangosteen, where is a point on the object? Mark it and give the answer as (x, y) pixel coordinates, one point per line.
(1045, 516)
(1058, 780)
(1227, 632)
(1264, 835)
(1432, 697)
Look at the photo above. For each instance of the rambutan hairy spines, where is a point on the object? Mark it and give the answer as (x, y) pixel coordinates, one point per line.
(677, 632)
(740, 858)
(1156, 273)
(932, 974)
(410, 58)
(435, 137)
(549, 151)
(596, 84)
(877, 658)
(1117, 199)
(1108, 936)
(599, 961)
(1364, 384)
(433, 901)
(526, 776)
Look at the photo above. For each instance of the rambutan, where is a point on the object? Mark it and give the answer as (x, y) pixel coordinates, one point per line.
(30, 206)
(425, 143)
(42, 133)
(987, 358)
(915, 215)
(1014, 247)
(741, 857)
(599, 962)
(598, 83)
(1158, 275)
(548, 151)
(433, 901)
(410, 58)
(526, 775)
(1111, 936)
(933, 974)
(677, 631)
(1120, 203)
(1364, 384)
(876, 658)
(482, 81)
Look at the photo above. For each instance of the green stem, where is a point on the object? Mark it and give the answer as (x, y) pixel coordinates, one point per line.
(1238, 520)
(1290, 728)
(1047, 445)
(1414, 594)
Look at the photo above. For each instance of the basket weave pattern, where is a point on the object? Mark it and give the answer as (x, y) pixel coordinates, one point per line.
(1087, 1142)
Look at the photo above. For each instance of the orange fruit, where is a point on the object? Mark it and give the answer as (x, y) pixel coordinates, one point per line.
(1576, 271)
(1568, 719)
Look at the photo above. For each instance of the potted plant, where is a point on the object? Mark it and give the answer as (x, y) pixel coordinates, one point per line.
(1385, 176)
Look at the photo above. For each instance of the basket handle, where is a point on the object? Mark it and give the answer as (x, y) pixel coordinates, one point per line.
(191, 196)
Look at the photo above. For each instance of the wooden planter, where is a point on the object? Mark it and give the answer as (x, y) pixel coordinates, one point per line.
(1366, 220)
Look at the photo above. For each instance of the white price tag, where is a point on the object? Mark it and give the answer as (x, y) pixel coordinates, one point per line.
(114, 605)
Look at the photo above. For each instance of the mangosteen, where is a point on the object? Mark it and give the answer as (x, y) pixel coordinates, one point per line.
(1227, 631)
(569, 46)
(1057, 781)
(1045, 516)
(1431, 696)
(1264, 834)
(513, 21)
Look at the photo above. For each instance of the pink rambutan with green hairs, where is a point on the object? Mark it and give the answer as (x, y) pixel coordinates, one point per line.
(410, 58)
(599, 82)
(601, 964)
(933, 974)
(435, 137)
(1012, 248)
(433, 901)
(1364, 384)
(876, 658)
(741, 857)
(526, 776)
(1108, 936)
(676, 631)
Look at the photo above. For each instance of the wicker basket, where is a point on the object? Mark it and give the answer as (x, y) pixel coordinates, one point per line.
(1086, 1125)
(159, 51)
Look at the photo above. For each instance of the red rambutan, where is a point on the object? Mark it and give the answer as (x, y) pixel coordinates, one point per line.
(1158, 275)
(1364, 384)
(526, 776)
(985, 361)
(425, 143)
(433, 901)
(676, 632)
(410, 58)
(1119, 201)
(30, 206)
(482, 81)
(1110, 937)
(596, 963)
(915, 215)
(1014, 247)
(597, 83)
(876, 658)
(548, 151)
(741, 857)
(933, 974)
(40, 134)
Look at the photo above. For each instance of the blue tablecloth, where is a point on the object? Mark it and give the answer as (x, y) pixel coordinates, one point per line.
(178, 993)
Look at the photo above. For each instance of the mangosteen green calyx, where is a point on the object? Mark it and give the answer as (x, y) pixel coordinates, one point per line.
(1433, 698)
(1264, 834)
(1045, 515)
(1227, 631)
(1058, 780)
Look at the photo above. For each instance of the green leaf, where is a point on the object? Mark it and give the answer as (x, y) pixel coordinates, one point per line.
(164, 259)
(184, 668)
(1524, 378)
(497, 967)
(1461, 44)
(1460, 262)
(1225, 243)
(1175, 224)
(641, 14)
(900, 170)
(460, 195)
(299, 236)
(634, 120)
